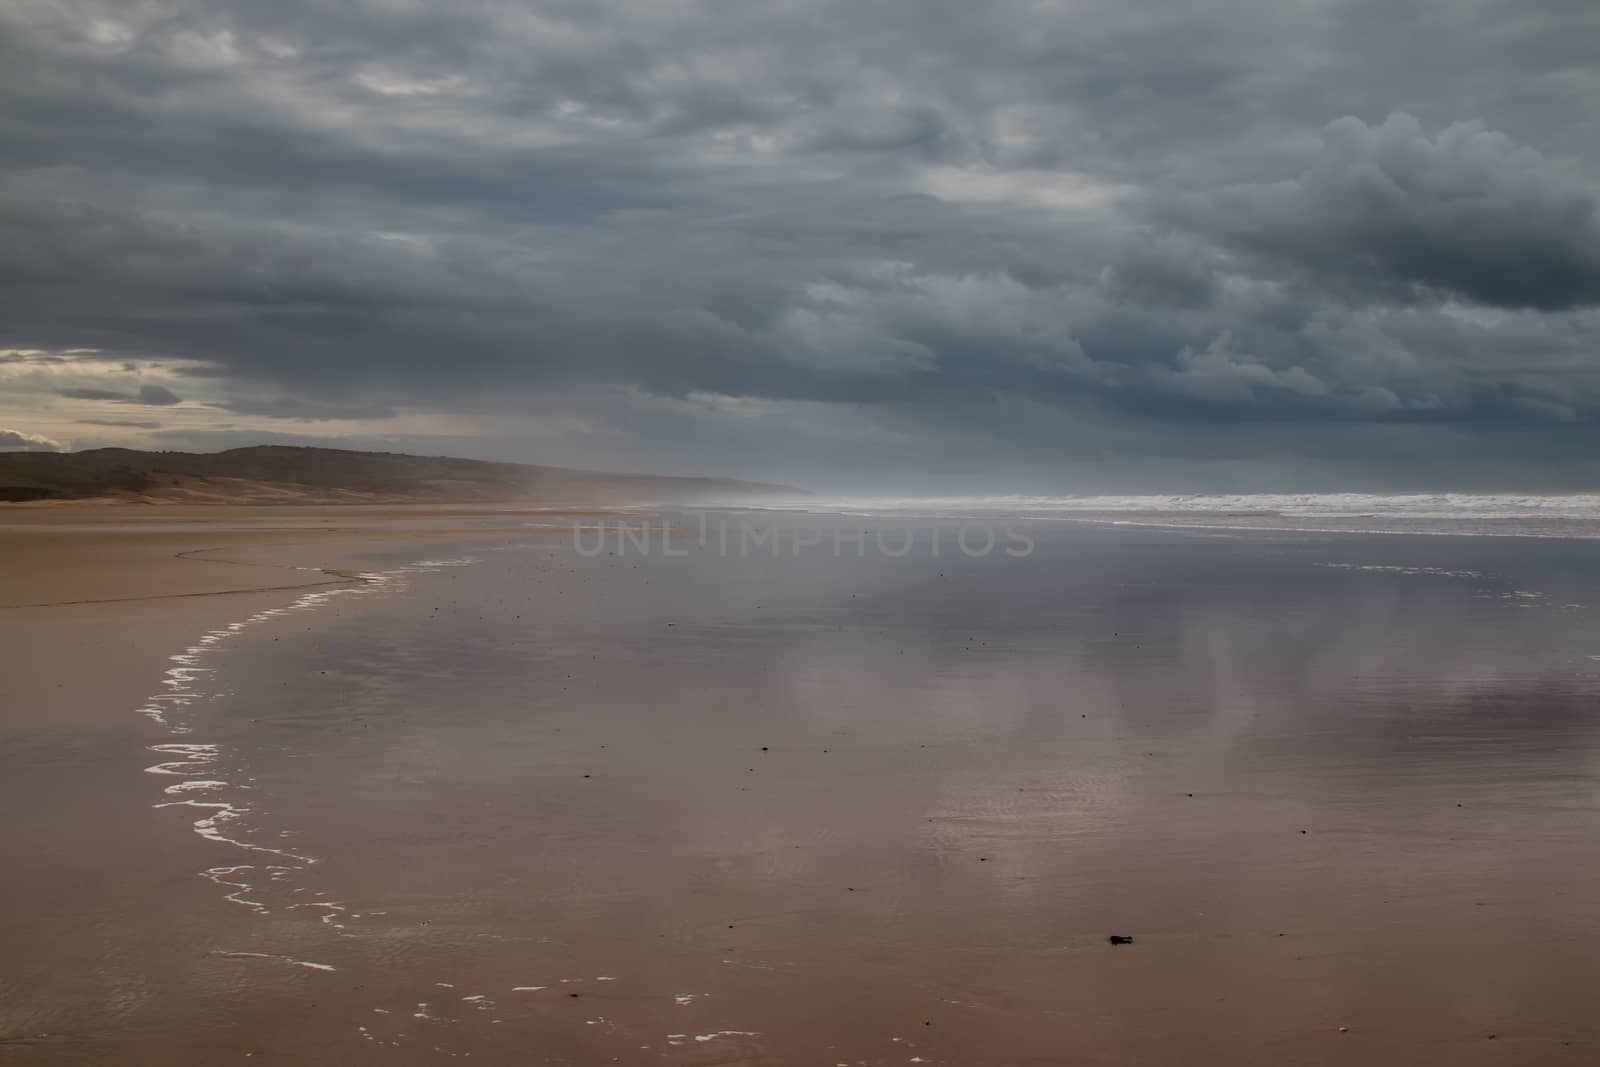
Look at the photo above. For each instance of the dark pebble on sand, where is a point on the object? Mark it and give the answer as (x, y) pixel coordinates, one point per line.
(1119, 939)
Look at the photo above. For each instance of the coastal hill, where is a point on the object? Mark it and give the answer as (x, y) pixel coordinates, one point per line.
(281, 474)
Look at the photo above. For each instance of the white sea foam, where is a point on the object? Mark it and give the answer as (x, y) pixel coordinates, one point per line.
(1524, 514)
(331, 912)
(723, 1034)
(1304, 505)
(192, 785)
(313, 965)
(1387, 568)
(212, 783)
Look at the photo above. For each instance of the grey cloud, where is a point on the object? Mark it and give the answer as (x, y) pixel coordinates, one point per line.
(1466, 213)
(1153, 273)
(20, 441)
(1139, 232)
(158, 396)
(20, 358)
(97, 394)
(308, 411)
(151, 395)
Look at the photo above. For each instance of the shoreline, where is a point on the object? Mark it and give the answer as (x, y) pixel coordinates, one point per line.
(93, 616)
(96, 588)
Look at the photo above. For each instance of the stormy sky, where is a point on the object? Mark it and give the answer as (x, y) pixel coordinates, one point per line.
(927, 246)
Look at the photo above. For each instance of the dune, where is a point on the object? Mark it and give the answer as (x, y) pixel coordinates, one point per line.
(277, 474)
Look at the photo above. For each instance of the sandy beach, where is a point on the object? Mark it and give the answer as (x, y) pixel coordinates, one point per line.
(530, 805)
(806, 534)
(94, 600)
(92, 597)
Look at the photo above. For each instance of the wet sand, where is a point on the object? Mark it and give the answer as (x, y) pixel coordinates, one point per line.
(93, 602)
(541, 807)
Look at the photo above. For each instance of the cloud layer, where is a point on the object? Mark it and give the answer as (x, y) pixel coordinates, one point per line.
(17, 441)
(1023, 245)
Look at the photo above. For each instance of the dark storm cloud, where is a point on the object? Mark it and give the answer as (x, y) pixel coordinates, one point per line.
(1392, 211)
(18, 441)
(308, 411)
(158, 396)
(1232, 231)
(152, 395)
(97, 394)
